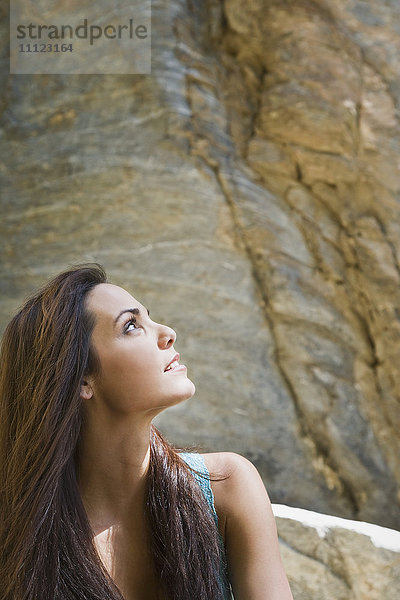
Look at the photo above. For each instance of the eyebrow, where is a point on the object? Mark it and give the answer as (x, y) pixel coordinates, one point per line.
(133, 311)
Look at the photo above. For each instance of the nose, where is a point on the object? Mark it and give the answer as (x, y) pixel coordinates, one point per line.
(166, 337)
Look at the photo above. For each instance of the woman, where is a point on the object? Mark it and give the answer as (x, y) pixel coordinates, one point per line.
(94, 502)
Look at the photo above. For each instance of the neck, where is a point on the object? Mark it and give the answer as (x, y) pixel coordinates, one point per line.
(112, 470)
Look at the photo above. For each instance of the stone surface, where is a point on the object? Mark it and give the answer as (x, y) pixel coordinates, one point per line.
(327, 558)
(247, 192)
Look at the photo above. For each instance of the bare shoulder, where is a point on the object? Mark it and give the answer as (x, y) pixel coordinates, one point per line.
(233, 478)
(249, 529)
(229, 465)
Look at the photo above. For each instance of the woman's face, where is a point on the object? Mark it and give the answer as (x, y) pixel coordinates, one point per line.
(139, 370)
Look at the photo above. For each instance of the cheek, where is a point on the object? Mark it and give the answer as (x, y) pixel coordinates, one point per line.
(126, 373)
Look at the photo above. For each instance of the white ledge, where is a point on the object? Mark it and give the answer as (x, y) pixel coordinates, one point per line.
(381, 537)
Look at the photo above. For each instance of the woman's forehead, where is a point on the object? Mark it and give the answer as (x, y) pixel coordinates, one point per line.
(110, 298)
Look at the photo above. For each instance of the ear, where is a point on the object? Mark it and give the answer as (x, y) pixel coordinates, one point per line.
(86, 389)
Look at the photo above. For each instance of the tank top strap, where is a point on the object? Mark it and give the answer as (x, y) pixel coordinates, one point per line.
(202, 476)
(200, 472)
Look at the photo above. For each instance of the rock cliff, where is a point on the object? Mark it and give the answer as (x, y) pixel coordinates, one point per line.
(247, 192)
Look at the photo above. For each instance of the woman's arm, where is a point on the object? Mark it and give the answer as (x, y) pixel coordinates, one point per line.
(251, 541)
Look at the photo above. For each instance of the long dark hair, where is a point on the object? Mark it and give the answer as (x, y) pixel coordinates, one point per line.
(46, 542)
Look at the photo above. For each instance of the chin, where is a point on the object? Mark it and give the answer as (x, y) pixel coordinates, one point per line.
(189, 393)
(185, 394)
(193, 389)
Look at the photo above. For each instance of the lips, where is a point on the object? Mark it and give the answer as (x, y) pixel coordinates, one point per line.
(173, 363)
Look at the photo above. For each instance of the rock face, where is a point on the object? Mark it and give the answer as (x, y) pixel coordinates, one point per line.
(247, 192)
(327, 558)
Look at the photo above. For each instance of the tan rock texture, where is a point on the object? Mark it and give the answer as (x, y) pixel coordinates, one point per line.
(336, 559)
(248, 193)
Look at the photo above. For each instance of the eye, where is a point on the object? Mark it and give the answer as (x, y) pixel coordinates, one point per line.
(130, 325)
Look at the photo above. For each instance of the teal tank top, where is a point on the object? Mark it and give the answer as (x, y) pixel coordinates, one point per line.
(196, 462)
